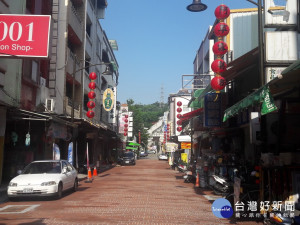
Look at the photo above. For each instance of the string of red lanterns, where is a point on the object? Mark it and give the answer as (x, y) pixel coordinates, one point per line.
(92, 95)
(220, 48)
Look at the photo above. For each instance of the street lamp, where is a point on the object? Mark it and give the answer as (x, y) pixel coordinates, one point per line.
(196, 6)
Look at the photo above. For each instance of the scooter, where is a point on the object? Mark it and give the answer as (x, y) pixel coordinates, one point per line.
(221, 185)
(278, 218)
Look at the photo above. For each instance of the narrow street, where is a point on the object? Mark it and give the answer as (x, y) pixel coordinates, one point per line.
(147, 193)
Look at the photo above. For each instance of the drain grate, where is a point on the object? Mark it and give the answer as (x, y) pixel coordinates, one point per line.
(13, 209)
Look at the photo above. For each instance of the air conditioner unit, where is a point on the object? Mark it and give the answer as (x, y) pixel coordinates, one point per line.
(49, 105)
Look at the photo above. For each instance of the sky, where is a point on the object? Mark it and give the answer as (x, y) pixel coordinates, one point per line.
(157, 43)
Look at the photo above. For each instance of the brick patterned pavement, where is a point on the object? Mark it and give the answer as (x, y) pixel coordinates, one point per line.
(147, 193)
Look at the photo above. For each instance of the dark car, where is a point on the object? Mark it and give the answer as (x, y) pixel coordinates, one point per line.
(128, 158)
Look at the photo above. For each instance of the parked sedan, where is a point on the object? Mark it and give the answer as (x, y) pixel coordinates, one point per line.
(128, 158)
(44, 178)
(162, 157)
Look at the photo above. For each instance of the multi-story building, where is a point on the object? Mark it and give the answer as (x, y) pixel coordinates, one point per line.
(44, 100)
(260, 103)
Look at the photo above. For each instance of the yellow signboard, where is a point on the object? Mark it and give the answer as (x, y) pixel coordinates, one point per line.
(184, 157)
(185, 145)
(108, 99)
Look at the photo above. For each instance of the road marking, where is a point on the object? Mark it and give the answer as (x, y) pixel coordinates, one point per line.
(12, 209)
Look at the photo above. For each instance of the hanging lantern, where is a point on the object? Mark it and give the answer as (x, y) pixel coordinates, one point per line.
(179, 110)
(125, 129)
(125, 134)
(222, 12)
(126, 116)
(218, 66)
(218, 83)
(90, 114)
(91, 104)
(91, 95)
(93, 76)
(179, 122)
(179, 103)
(221, 29)
(179, 116)
(125, 125)
(126, 120)
(179, 129)
(92, 85)
(220, 48)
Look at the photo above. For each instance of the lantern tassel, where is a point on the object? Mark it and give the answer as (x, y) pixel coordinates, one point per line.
(217, 92)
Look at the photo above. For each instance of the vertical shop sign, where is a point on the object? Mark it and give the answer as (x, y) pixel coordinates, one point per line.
(212, 110)
(70, 153)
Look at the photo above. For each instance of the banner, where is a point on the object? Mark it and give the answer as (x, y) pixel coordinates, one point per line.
(70, 153)
(56, 152)
(87, 156)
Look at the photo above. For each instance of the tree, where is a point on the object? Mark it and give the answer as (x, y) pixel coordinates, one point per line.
(144, 116)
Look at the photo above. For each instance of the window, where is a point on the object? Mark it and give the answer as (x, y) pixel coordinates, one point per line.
(31, 69)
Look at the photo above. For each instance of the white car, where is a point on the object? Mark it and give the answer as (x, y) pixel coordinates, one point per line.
(163, 157)
(44, 178)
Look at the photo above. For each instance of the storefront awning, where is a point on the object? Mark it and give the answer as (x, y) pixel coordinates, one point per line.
(131, 148)
(262, 95)
(195, 103)
(189, 115)
(133, 144)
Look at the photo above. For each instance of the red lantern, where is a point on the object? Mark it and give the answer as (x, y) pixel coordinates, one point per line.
(221, 29)
(222, 12)
(125, 134)
(93, 76)
(125, 129)
(179, 103)
(91, 95)
(91, 104)
(126, 120)
(179, 116)
(179, 110)
(179, 122)
(125, 125)
(92, 85)
(218, 83)
(90, 114)
(220, 48)
(179, 129)
(218, 66)
(126, 116)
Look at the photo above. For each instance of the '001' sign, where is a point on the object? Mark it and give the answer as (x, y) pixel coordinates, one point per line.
(24, 35)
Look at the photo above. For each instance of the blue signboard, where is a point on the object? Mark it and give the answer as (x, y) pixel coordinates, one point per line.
(70, 153)
(212, 110)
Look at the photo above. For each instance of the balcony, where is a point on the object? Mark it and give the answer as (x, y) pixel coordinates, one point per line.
(69, 104)
(75, 28)
(70, 66)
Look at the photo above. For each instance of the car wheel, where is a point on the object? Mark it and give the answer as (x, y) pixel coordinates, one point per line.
(59, 191)
(75, 186)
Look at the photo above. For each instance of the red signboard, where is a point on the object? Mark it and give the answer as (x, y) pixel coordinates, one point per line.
(24, 35)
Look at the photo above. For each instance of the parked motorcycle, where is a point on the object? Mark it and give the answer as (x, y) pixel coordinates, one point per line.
(278, 218)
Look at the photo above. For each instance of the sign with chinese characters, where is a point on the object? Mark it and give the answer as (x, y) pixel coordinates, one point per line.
(24, 35)
(273, 72)
(212, 110)
(108, 99)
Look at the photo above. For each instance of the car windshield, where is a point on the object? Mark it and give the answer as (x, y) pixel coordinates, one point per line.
(128, 154)
(42, 167)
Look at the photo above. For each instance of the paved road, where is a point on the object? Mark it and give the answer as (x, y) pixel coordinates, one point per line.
(147, 193)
